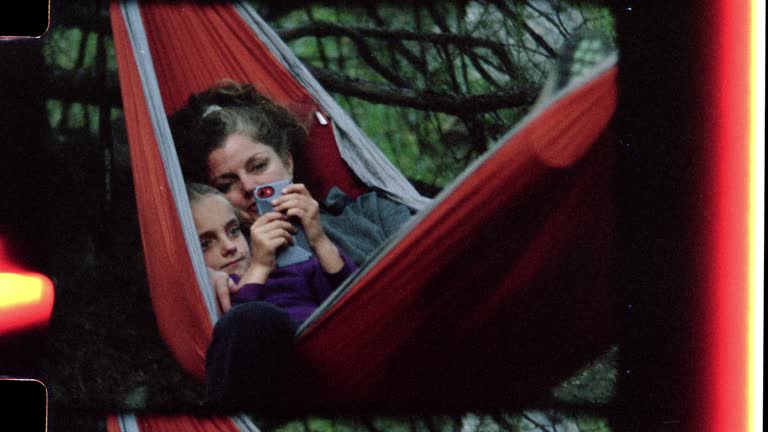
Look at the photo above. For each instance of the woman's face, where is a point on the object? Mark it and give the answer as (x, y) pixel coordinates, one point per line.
(224, 246)
(242, 164)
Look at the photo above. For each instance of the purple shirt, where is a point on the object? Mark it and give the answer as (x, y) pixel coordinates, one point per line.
(297, 289)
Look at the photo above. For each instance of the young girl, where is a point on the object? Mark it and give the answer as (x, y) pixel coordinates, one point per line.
(297, 289)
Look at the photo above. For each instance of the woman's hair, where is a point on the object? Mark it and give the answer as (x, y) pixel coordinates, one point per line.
(228, 107)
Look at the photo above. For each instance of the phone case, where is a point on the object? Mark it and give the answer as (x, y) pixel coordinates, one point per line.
(299, 251)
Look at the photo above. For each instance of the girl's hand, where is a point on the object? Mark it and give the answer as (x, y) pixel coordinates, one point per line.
(270, 232)
(297, 202)
(224, 287)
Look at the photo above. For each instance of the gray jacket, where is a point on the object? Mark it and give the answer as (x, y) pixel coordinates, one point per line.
(359, 226)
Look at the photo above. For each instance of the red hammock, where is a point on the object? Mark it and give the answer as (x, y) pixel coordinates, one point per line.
(500, 291)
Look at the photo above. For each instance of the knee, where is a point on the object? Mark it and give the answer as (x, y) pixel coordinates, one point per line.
(251, 345)
(255, 319)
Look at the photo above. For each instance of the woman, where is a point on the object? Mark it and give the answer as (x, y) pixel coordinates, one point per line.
(233, 138)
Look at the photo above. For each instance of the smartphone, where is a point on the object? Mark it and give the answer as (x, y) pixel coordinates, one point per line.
(299, 251)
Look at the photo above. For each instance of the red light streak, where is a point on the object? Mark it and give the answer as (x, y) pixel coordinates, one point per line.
(727, 372)
(26, 298)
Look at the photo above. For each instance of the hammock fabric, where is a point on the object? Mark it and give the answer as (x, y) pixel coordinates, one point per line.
(175, 423)
(499, 290)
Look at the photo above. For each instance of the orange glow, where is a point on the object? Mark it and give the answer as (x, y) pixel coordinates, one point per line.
(26, 301)
(19, 289)
(756, 318)
(756, 212)
(26, 298)
(736, 351)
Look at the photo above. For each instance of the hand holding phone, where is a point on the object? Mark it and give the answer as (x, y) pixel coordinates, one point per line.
(300, 250)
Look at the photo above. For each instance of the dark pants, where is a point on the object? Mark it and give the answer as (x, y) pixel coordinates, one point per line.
(251, 344)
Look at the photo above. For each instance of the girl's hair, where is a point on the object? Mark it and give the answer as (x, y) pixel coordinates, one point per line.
(197, 191)
(228, 107)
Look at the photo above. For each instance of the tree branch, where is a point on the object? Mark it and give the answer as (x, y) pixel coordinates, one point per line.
(426, 101)
(504, 8)
(324, 29)
(443, 48)
(476, 63)
(399, 47)
(534, 422)
(502, 421)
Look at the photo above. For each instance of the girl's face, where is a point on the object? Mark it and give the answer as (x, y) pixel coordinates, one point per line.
(224, 247)
(242, 164)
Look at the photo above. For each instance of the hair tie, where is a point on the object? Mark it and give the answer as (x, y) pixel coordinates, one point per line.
(210, 109)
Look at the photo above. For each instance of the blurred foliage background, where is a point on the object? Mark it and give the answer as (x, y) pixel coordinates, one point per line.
(434, 84)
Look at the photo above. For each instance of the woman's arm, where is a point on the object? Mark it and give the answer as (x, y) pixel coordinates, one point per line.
(329, 256)
(323, 283)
